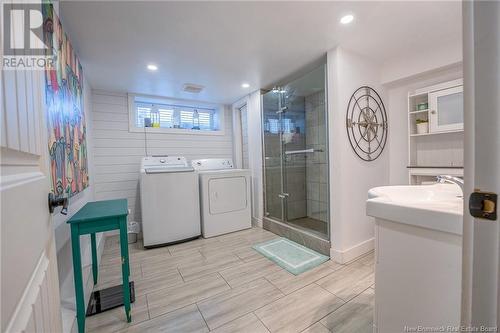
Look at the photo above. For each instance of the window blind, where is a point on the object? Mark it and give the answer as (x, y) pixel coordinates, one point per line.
(176, 116)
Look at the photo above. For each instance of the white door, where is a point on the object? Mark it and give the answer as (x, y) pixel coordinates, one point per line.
(29, 280)
(481, 247)
(240, 134)
(244, 136)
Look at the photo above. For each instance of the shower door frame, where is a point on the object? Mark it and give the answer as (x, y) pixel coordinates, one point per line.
(284, 214)
(282, 195)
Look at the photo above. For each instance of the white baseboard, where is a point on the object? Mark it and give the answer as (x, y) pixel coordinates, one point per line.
(345, 256)
(257, 222)
(117, 233)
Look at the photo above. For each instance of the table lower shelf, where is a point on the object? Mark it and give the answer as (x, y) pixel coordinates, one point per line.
(107, 299)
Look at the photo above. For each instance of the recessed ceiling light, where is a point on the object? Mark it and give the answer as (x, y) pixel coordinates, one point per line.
(245, 85)
(347, 19)
(152, 67)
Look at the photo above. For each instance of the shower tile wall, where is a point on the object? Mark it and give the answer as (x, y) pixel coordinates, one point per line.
(317, 163)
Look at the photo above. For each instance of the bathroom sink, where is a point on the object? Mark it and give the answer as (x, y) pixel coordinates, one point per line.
(438, 207)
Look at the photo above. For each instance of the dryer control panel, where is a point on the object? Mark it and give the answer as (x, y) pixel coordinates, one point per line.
(212, 164)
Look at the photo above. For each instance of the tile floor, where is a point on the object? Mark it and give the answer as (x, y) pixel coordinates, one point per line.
(222, 285)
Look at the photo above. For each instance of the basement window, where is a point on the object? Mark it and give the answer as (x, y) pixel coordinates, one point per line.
(165, 115)
(273, 126)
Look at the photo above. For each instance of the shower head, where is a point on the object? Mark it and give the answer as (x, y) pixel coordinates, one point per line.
(277, 89)
(289, 94)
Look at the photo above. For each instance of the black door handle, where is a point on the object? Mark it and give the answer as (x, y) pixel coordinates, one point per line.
(54, 202)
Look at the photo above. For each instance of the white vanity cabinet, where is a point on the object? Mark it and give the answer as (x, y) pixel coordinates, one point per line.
(417, 278)
(446, 109)
(418, 257)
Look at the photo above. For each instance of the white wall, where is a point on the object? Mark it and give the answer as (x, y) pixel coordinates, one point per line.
(62, 233)
(352, 231)
(423, 62)
(253, 149)
(350, 177)
(117, 153)
(397, 107)
(255, 155)
(62, 230)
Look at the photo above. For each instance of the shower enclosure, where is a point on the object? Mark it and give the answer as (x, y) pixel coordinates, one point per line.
(296, 158)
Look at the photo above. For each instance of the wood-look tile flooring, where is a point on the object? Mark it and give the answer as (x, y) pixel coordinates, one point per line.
(222, 285)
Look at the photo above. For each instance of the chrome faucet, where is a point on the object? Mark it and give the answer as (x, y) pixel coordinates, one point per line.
(451, 179)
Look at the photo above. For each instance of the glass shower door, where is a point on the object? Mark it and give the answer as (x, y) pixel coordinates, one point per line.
(295, 152)
(273, 156)
(285, 154)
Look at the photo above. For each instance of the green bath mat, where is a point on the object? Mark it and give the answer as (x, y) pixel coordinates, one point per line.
(293, 257)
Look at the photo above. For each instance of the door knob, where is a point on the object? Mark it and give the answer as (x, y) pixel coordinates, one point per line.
(483, 205)
(55, 202)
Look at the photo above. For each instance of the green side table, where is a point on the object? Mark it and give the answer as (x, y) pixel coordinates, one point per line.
(99, 216)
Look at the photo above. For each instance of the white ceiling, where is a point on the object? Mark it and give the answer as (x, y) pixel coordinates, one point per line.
(220, 45)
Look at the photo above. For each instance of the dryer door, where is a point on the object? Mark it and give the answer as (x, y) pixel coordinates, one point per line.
(228, 194)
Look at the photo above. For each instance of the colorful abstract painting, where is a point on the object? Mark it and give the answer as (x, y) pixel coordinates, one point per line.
(65, 115)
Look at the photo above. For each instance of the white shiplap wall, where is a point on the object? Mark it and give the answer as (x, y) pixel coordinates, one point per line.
(117, 152)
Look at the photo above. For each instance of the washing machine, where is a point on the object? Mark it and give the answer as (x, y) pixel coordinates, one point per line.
(225, 200)
(170, 202)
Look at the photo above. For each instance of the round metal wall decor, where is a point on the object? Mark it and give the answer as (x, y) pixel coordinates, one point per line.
(366, 123)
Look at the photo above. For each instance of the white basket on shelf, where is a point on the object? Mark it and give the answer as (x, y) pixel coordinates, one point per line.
(423, 128)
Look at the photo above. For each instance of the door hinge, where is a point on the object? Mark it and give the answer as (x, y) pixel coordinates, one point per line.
(483, 205)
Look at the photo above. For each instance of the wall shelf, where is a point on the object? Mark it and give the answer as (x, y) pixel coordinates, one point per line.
(436, 133)
(428, 175)
(440, 150)
(418, 111)
(433, 167)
